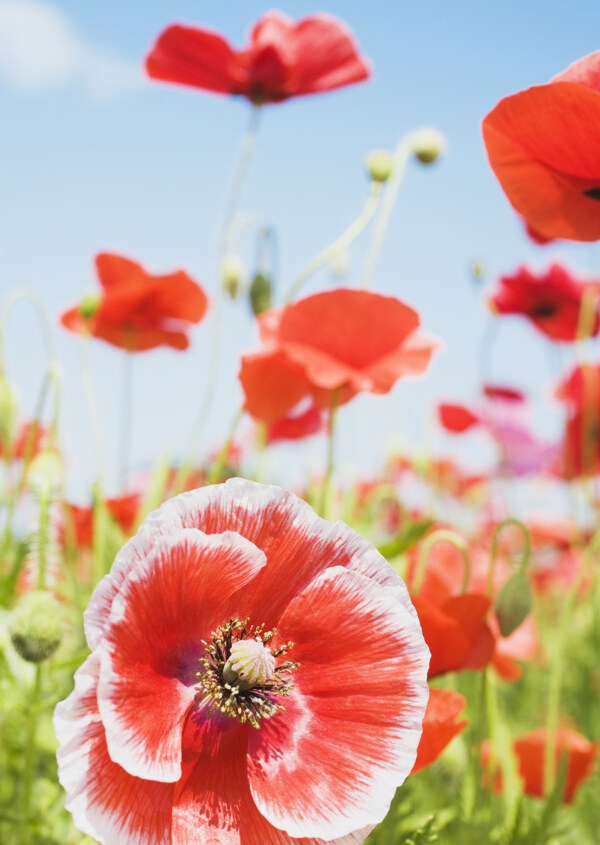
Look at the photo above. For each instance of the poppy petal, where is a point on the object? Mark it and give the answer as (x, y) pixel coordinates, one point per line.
(167, 606)
(439, 725)
(107, 803)
(331, 793)
(195, 57)
(327, 55)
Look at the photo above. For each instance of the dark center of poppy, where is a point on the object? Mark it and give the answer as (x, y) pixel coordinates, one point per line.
(545, 309)
(592, 193)
(240, 675)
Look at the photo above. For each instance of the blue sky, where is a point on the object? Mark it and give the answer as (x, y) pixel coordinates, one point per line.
(94, 157)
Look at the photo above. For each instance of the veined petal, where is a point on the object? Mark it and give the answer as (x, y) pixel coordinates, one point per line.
(153, 641)
(106, 802)
(332, 760)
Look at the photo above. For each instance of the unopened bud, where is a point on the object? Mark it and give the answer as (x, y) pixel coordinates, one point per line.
(513, 603)
(428, 145)
(261, 294)
(232, 273)
(380, 165)
(45, 473)
(36, 626)
(89, 305)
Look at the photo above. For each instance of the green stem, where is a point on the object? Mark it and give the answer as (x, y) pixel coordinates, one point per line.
(126, 417)
(402, 154)
(45, 500)
(30, 748)
(494, 554)
(340, 244)
(443, 535)
(216, 470)
(325, 489)
(241, 169)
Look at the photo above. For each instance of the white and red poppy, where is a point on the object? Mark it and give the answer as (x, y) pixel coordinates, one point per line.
(257, 676)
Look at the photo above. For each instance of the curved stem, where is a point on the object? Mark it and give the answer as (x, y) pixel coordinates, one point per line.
(31, 296)
(340, 244)
(443, 535)
(402, 153)
(494, 554)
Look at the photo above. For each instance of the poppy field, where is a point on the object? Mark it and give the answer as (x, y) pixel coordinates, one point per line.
(244, 639)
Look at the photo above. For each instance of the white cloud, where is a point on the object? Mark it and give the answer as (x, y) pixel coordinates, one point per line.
(40, 49)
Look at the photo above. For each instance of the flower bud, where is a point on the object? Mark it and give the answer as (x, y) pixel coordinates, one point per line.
(513, 603)
(9, 407)
(45, 474)
(261, 294)
(232, 273)
(380, 165)
(89, 305)
(36, 626)
(428, 145)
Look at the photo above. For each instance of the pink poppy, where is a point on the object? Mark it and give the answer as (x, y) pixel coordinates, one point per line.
(257, 675)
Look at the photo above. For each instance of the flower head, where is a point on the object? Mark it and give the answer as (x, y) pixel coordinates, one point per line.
(283, 59)
(256, 673)
(138, 310)
(551, 300)
(544, 147)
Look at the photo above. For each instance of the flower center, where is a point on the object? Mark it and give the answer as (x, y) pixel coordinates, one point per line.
(239, 675)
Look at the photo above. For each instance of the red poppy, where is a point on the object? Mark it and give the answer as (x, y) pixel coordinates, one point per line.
(138, 310)
(550, 300)
(251, 666)
(456, 418)
(284, 59)
(530, 751)
(456, 632)
(536, 237)
(297, 426)
(123, 509)
(347, 341)
(544, 146)
(439, 725)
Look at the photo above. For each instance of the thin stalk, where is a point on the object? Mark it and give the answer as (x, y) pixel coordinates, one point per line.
(240, 172)
(340, 244)
(402, 154)
(31, 296)
(216, 470)
(126, 417)
(325, 489)
(45, 500)
(557, 666)
(494, 554)
(30, 749)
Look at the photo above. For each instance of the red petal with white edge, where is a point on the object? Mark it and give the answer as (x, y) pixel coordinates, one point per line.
(331, 762)
(298, 545)
(212, 802)
(106, 802)
(153, 641)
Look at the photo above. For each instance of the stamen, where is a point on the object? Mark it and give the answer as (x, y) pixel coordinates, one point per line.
(239, 676)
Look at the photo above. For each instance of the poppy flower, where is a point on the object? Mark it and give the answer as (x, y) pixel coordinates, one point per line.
(456, 418)
(439, 725)
(343, 342)
(543, 145)
(138, 310)
(296, 426)
(530, 751)
(502, 393)
(123, 509)
(551, 300)
(283, 59)
(256, 674)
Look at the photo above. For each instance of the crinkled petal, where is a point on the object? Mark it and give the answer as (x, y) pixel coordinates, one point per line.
(106, 802)
(330, 763)
(153, 640)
